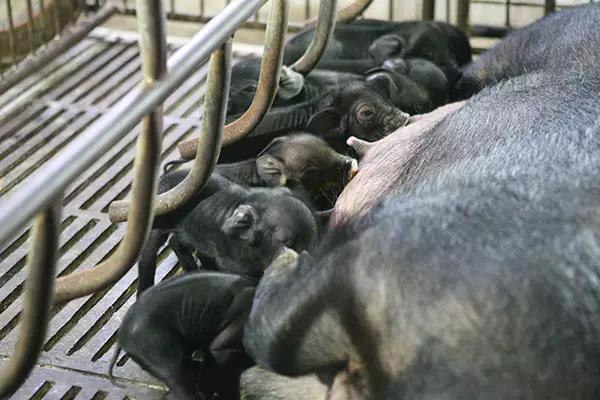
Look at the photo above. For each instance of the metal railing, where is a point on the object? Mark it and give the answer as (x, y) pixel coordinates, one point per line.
(182, 12)
(462, 9)
(28, 24)
(41, 195)
(455, 11)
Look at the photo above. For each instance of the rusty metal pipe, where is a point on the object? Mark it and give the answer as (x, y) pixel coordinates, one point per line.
(353, 11)
(267, 83)
(346, 14)
(56, 48)
(209, 143)
(153, 50)
(323, 33)
(41, 265)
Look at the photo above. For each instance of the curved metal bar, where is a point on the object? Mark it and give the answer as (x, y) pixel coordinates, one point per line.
(323, 33)
(209, 143)
(346, 14)
(353, 11)
(267, 83)
(41, 264)
(151, 25)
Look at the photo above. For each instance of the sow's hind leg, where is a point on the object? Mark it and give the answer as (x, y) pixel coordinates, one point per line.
(161, 352)
(289, 325)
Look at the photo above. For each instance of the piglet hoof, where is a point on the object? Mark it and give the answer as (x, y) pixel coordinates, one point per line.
(360, 146)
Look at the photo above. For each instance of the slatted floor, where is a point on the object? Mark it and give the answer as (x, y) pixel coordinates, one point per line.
(37, 119)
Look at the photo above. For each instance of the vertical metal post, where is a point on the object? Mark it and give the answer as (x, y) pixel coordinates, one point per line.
(31, 26)
(462, 15)
(507, 15)
(306, 10)
(152, 42)
(208, 145)
(11, 32)
(70, 6)
(550, 6)
(43, 17)
(428, 11)
(41, 265)
(57, 22)
(55, 48)
(323, 33)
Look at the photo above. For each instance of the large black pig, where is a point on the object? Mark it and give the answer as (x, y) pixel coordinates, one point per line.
(562, 41)
(566, 43)
(479, 278)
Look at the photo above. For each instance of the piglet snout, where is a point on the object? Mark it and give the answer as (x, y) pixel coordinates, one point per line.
(352, 167)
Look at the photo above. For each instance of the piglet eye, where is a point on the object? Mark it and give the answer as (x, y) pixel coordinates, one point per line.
(365, 113)
(249, 88)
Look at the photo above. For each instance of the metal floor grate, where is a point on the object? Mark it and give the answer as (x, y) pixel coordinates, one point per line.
(37, 119)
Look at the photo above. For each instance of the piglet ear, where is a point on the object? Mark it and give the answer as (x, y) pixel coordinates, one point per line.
(382, 82)
(324, 123)
(271, 169)
(387, 46)
(240, 223)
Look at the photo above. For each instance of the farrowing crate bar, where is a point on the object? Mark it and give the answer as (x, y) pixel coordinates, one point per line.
(460, 8)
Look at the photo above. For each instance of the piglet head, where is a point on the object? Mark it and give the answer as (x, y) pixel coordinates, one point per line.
(305, 160)
(358, 110)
